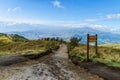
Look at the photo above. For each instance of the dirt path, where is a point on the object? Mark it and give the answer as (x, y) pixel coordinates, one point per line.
(55, 66)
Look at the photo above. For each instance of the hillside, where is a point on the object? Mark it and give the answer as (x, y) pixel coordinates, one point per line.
(8, 38)
(16, 44)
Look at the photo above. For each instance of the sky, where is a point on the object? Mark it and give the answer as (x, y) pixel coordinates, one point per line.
(100, 14)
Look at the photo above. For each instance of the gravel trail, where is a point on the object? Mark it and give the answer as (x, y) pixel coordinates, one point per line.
(55, 66)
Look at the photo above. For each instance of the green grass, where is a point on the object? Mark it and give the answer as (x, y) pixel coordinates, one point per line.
(22, 47)
(15, 44)
(29, 47)
(112, 45)
(107, 55)
(8, 38)
(109, 63)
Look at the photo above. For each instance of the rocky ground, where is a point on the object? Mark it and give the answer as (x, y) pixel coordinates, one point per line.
(55, 66)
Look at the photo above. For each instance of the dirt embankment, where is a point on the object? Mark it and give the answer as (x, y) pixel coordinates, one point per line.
(107, 72)
(55, 66)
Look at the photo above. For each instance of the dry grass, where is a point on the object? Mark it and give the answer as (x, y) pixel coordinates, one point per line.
(22, 47)
(112, 45)
(5, 39)
(106, 54)
(29, 47)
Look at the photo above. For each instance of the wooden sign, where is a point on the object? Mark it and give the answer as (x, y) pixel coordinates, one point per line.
(91, 39)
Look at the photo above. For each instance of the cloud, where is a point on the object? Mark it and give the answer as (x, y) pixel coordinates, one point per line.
(99, 27)
(13, 21)
(73, 25)
(91, 20)
(115, 30)
(67, 24)
(13, 9)
(113, 16)
(57, 4)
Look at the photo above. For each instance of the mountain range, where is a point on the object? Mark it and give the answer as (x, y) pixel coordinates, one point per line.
(67, 33)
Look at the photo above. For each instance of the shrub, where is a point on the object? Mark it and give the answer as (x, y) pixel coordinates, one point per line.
(51, 45)
(73, 43)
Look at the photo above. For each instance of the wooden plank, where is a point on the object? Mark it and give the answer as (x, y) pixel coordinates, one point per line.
(92, 39)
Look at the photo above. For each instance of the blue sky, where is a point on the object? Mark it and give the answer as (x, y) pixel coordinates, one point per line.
(100, 14)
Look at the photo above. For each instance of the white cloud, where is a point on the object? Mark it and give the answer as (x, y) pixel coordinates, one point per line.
(113, 16)
(57, 4)
(99, 27)
(74, 25)
(105, 28)
(12, 21)
(115, 30)
(91, 20)
(13, 9)
(67, 24)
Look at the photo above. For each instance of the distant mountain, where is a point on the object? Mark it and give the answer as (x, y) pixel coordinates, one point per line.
(103, 37)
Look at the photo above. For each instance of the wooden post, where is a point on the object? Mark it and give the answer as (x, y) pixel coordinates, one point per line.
(96, 46)
(87, 47)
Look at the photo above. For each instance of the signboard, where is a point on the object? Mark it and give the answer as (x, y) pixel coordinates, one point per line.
(91, 39)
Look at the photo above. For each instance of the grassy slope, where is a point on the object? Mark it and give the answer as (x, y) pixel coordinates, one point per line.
(23, 47)
(9, 38)
(5, 39)
(107, 55)
(15, 44)
(112, 45)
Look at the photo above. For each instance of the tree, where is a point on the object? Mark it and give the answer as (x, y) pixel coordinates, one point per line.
(73, 43)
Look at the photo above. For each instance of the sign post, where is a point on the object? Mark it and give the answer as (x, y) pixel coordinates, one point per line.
(91, 39)
(96, 48)
(87, 47)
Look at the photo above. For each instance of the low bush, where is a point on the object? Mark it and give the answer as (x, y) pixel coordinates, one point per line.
(52, 45)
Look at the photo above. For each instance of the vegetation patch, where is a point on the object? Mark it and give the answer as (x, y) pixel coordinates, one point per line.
(107, 55)
(15, 44)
